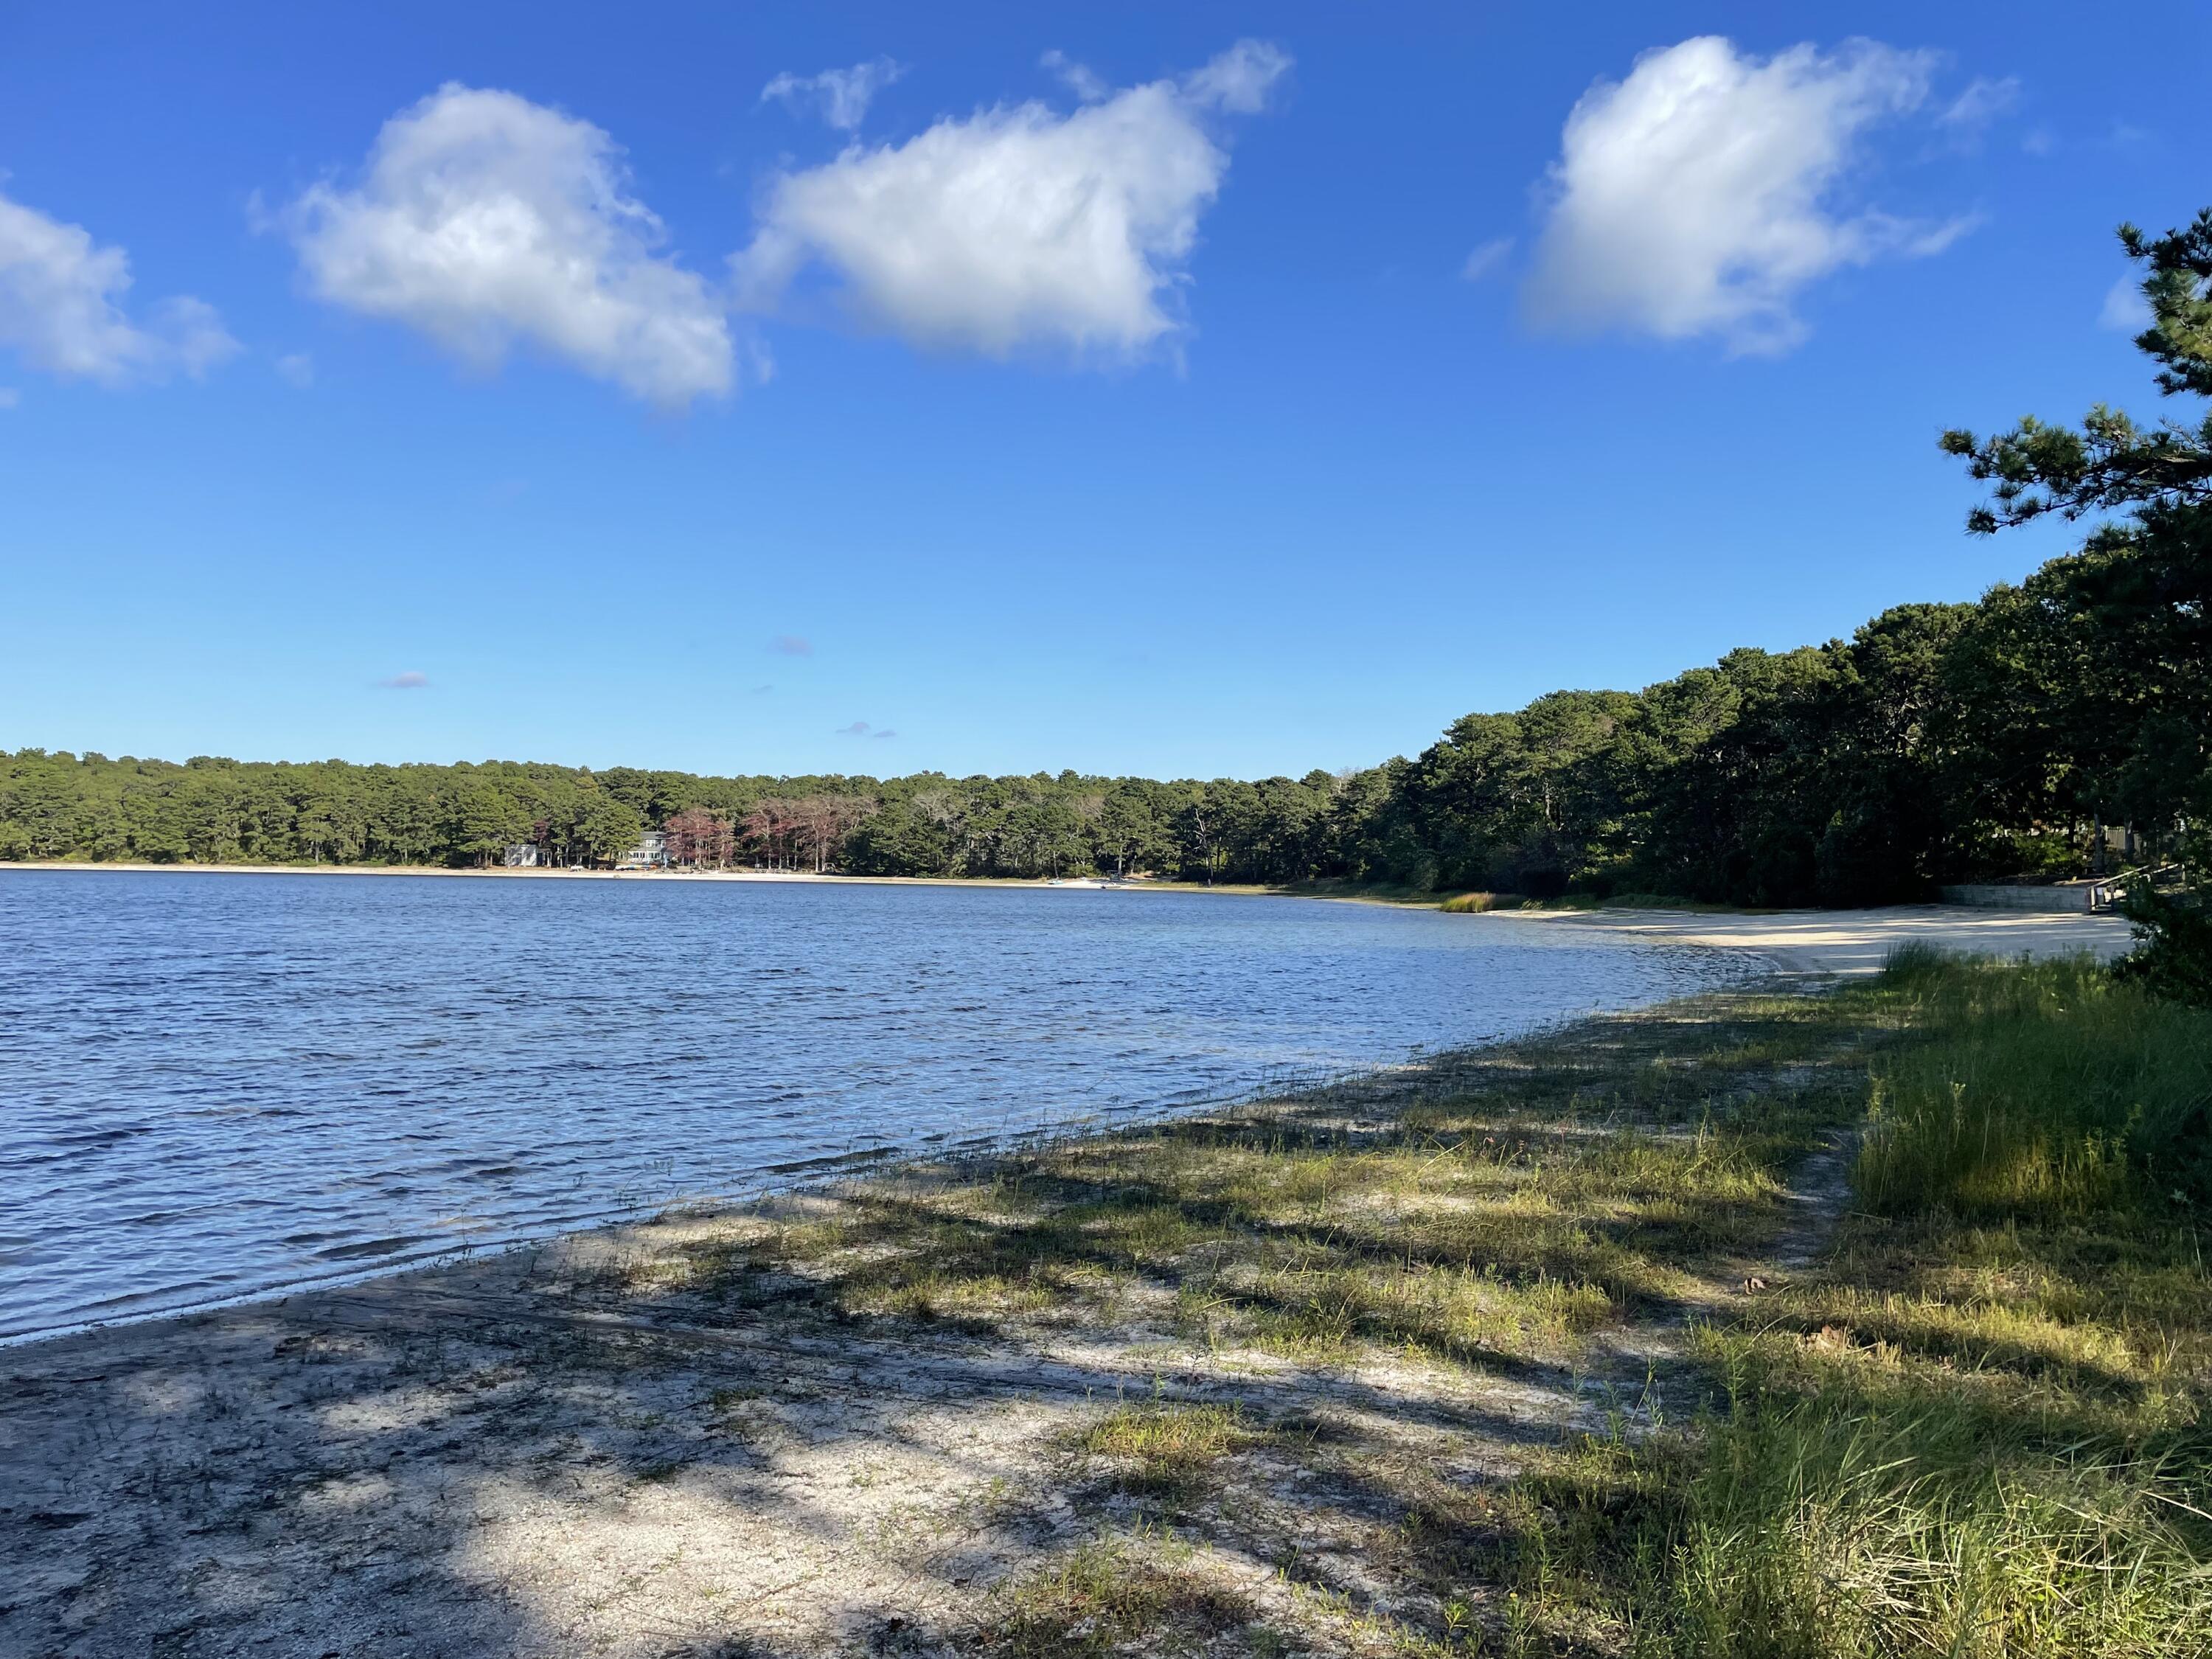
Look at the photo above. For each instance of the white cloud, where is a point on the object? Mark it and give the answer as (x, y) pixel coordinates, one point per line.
(296, 368)
(1240, 79)
(1981, 103)
(59, 310)
(1487, 258)
(1081, 79)
(842, 95)
(485, 221)
(1692, 198)
(2124, 307)
(1017, 226)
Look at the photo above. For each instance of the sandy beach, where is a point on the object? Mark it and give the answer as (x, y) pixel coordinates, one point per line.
(1851, 943)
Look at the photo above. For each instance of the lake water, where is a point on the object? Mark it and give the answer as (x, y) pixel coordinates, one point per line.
(215, 1085)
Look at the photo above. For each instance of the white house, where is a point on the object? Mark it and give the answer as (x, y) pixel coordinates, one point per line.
(651, 853)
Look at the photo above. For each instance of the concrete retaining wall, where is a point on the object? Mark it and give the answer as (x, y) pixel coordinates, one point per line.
(2072, 895)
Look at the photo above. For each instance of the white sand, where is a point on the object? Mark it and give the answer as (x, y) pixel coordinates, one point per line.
(1851, 942)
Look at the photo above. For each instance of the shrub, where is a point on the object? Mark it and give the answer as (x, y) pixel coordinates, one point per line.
(2173, 958)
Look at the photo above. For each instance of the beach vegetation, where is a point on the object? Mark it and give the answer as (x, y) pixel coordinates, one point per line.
(1981, 1428)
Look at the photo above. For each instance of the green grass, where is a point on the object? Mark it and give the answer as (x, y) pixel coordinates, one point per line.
(2056, 1091)
(1164, 1450)
(1983, 1432)
(1107, 1596)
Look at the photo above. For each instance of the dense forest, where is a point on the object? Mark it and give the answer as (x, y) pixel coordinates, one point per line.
(2011, 735)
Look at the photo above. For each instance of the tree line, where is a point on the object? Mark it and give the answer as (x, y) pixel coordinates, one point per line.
(2014, 735)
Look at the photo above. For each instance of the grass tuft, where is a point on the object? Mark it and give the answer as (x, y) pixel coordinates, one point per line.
(1164, 1450)
(1103, 1597)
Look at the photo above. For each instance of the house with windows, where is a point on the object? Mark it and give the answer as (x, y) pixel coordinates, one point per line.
(522, 855)
(651, 853)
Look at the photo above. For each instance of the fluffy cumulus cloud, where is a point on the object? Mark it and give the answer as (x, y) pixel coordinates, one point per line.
(1695, 198)
(842, 96)
(61, 310)
(1019, 226)
(487, 221)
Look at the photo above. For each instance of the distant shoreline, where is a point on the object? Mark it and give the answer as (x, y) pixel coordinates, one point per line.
(1847, 944)
(544, 872)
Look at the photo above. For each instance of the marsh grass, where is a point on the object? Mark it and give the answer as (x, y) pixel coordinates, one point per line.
(1475, 904)
(1984, 1431)
(2053, 1090)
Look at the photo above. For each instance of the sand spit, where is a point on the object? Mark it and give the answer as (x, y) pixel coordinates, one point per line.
(1851, 943)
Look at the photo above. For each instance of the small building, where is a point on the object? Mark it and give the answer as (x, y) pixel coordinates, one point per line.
(522, 855)
(651, 853)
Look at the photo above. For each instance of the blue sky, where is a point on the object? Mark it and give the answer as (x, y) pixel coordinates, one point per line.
(1233, 391)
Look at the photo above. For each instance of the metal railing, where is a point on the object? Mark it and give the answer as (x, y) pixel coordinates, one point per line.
(2106, 892)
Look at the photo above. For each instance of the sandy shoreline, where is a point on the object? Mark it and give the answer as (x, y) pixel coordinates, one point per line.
(547, 873)
(1851, 943)
(1838, 942)
(587, 1448)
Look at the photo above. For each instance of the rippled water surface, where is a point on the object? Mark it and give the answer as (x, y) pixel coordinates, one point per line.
(216, 1084)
